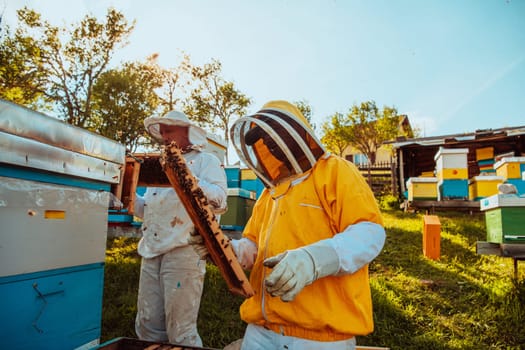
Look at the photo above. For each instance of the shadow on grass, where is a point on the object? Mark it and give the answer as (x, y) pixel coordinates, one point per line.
(394, 328)
(219, 320)
(453, 303)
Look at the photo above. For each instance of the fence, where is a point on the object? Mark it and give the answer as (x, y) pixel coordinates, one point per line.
(381, 177)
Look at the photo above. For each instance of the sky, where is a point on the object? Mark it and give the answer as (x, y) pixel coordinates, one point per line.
(452, 66)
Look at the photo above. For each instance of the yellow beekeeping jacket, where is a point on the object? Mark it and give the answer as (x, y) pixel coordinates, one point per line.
(310, 207)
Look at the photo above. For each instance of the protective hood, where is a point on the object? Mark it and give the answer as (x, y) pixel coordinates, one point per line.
(277, 142)
(196, 135)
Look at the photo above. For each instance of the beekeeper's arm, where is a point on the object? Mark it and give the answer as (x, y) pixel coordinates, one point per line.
(138, 208)
(211, 178)
(245, 250)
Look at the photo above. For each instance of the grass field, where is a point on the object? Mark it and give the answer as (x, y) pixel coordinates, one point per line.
(461, 301)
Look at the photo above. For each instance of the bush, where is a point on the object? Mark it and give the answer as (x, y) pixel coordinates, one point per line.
(388, 202)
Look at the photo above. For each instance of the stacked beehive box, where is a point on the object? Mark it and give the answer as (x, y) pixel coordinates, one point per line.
(422, 188)
(55, 183)
(505, 218)
(240, 206)
(483, 186)
(485, 160)
(512, 169)
(452, 173)
(243, 189)
(250, 182)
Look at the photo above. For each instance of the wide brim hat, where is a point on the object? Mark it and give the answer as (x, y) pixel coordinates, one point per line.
(196, 135)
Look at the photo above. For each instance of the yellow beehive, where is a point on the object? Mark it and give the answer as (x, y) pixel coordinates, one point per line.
(510, 167)
(422, 188)
(485, 153)
(483, 186)
(248, 174)
(452, 174)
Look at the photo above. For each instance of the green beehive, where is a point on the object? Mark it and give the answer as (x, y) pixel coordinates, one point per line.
(240, 206)
(506, 225)
(505, 218)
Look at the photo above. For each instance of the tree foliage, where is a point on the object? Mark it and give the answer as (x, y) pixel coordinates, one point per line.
(66, 69)
(215, 102)
(173, 93)
(70, 59)
(335, 134)
(123, 98)
(369, 127)
(306, 110)
(21, 79)
(365, 127)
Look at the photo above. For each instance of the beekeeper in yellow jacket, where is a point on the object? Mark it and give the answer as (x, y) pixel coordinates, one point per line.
(312, 233)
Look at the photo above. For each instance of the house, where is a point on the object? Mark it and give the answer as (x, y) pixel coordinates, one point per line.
(384, 153)
(415, 157)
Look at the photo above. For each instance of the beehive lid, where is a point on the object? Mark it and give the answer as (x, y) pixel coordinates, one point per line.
(422, 180)
(502, 200)
(486, 178)
(34, 140)
(505, 160)
(449, 151)
(241, 192)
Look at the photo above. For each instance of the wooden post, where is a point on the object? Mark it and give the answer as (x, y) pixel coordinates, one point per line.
(393, 177)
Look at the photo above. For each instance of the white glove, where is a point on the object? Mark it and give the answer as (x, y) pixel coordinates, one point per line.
(295, 269)
(246, 251)
(197, 243)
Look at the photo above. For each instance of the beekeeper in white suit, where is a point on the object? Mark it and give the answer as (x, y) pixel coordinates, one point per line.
(172, 274)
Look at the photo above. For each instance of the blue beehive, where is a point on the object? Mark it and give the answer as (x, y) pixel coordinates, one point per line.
(233, 176)
(55, 183)
(452, 189)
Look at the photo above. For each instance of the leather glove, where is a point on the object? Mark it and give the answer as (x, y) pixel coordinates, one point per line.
(295, 269)
(197, 243)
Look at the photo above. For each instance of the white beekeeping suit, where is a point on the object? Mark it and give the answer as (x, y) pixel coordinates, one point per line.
(172, 274)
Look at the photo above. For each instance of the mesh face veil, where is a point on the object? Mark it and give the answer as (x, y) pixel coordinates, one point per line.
(276, 143)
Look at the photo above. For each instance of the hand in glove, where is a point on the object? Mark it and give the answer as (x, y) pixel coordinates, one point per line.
(197, 243)
(297, 268)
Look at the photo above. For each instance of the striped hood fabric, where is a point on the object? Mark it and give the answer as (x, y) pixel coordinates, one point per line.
(277, 142)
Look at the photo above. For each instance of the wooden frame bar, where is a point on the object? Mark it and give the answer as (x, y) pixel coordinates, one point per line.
(196, 204)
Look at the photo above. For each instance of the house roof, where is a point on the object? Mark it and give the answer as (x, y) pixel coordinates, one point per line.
(482, 135)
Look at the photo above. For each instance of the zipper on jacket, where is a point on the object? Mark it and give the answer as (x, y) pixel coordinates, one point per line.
(272, 216)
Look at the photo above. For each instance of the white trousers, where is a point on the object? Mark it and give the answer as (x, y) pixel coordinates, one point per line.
(260, 338)
(170, 290)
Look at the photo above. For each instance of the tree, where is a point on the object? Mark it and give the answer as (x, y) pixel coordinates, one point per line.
(72, 58)
(21, 80)
(306, 110)
(122, 99)
(335, 134)
(368, 127)
(176, 81)
(214, 102)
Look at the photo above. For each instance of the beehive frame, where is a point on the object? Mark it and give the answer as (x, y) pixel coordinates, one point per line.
(204, 220)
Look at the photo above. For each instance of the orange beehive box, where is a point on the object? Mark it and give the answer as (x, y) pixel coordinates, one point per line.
(431, 236)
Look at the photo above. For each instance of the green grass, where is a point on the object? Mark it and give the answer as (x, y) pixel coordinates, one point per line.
(461, 301)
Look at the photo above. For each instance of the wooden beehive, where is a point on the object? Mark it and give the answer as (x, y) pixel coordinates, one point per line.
(431, 237)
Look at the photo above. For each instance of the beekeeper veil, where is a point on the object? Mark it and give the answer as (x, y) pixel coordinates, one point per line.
(196, 135)
(276, 143)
